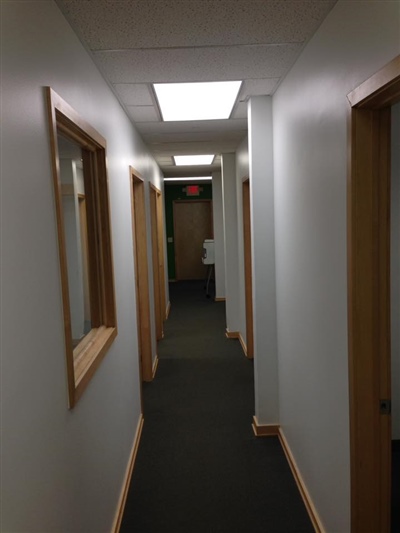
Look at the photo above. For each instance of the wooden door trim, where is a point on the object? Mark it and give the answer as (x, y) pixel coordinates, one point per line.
(159, 318)
(161, 250)
(248, 276)
(369, 297)
(139, 233)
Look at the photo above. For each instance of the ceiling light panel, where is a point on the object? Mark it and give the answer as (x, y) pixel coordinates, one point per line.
(182, 160)
(197, 101)
(203, 178)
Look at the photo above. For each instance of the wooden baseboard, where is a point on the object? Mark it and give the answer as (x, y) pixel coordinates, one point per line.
(237, 335)
(270, 430)
(316, 521)
(219, 299)
(167, 310)
(155, 365)
(128, 474)
(231, 334)
(243, 344)
(264, 430)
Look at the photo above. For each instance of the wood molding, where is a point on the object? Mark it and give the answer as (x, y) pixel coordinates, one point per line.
(95, 230)
(136, 173)
(368, 252)
(158, 308)
(264, 430)
(161, 253)
(219, 299)
(167, 311)
(139, 234)
(274, 430)
(312, 512)
(380, 90)
(155, 366)
(237, 335)
(127, 479)
(152, 186)
(248, 280)
(244, 346)
(232, 334)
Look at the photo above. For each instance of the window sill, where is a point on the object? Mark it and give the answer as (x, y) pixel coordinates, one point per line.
(88, 355)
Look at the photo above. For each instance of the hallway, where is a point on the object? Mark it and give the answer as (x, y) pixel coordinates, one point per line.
(199, 466)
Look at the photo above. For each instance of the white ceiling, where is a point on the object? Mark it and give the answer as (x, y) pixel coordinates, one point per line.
(137, 42)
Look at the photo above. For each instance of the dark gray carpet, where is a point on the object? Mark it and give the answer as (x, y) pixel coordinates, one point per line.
(395, 486)
(199, 468)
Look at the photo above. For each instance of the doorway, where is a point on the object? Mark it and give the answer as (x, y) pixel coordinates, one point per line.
(369, 300)
(141, 274)
(157, 241)
(395, 313)
(248, 281)
(192, 225)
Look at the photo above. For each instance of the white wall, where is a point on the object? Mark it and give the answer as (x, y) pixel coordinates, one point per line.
(395, 271)
(242, 171)
(229, 198)
(219, 246)
(259, 114)
(310, 112)
(61, 470)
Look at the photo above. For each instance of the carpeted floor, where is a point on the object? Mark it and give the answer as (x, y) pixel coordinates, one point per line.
(199, 467)
(395, 486)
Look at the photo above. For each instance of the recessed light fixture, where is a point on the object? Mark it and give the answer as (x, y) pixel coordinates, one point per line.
(181, 160)
(202, 178)
(197, 101)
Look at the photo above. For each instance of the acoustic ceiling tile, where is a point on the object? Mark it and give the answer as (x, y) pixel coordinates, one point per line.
(193, 126)
(164, 160)
(143, 113)
(139, 42)
(134, 93)
(190, 148)
(116, 24)
(197, 64)
(161, 138)
(256, 87)
(240, 110)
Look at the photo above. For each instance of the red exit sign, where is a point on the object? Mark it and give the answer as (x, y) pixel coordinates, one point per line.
(192, 190)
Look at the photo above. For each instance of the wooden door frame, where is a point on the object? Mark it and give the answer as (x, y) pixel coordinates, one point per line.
(369, 297)
(187, 201)
(248, 275)
(139, 233)
(157, 242)
(161, 251)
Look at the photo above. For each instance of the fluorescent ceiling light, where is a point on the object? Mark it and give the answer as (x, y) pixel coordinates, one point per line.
(197, 101)
(202, 178)
(193, 159)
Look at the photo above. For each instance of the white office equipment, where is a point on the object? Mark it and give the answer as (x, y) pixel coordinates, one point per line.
(208, 259)
(208, 252)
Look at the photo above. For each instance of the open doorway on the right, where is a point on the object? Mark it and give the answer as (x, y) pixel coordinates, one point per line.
(374, 296)
(395, 316)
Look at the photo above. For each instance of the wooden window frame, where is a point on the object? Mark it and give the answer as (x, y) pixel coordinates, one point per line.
(369, 297)
(83, 360)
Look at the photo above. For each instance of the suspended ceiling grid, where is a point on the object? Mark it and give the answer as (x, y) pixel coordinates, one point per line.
(138, 42)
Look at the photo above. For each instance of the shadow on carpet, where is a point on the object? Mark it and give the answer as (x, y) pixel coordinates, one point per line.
(199, 467)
